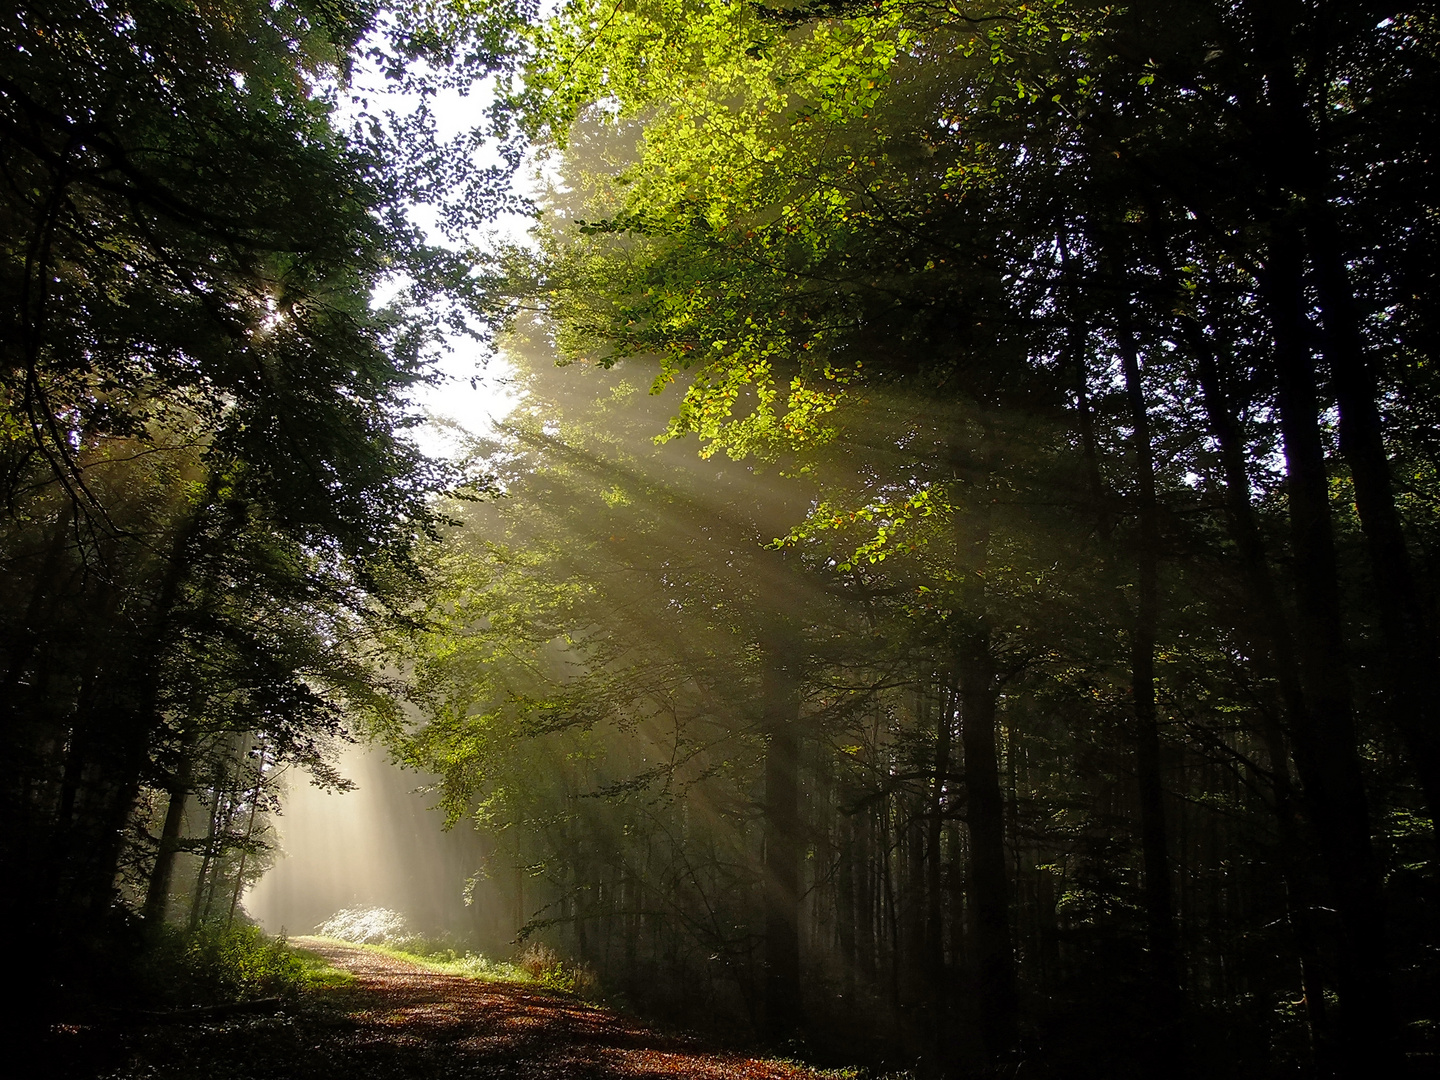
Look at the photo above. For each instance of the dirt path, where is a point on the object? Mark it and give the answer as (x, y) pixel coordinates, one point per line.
(401, 1020)
(397, 1021)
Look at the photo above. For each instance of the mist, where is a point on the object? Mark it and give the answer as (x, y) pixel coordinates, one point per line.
(382, 844)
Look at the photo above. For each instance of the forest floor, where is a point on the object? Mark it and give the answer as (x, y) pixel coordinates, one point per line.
(400, 1021)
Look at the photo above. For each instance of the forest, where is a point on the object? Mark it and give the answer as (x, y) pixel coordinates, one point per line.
(954, 594)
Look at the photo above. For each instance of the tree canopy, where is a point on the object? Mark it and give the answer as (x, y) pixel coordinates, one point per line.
(1093, 342)
(211, 499)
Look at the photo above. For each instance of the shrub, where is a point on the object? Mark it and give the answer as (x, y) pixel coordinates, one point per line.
(543, 965)
(388, 929)
(539, 962)
(218, 964)
(370, 926)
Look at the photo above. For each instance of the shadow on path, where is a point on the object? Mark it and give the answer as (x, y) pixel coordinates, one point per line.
(504, 1029)
(399, 1021)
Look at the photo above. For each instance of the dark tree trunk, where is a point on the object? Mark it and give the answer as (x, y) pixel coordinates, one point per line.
(1298, 164)
(1409, 654)
(1159, 905)
(956, 887)
(162, 874)
(846, 881)
(124, 731)
(1077, 336)
(780, 694)
(934, 883)
(207, 860)
(989, 882)
(865, 888)
(245, 849)
(978, 686)
(1284, 667)
(1325, 747)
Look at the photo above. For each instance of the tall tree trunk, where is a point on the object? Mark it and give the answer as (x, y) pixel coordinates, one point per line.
(916, 1000)
(865, 889)
(1077, 336)
(1159, 904)
(975, 671)
(846, 882)
(1325, 748)
(780, 694)
(1298, 163)
(207, 858)
(249, 837)
(162, 874)
(1297, 907)
(957, 889)
(935, 886)
(131, 718)
(989, 883)
(1244, 531)
(1409, 655)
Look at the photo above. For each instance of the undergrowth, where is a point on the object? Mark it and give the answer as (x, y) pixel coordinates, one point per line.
(538, 966)
(387, 932)
(220, 964)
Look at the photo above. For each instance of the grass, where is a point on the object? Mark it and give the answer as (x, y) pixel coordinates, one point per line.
(320, 974)
(538, 966)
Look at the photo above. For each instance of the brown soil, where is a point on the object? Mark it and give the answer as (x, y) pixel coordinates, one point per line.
(505, 1029)
(400, 1021)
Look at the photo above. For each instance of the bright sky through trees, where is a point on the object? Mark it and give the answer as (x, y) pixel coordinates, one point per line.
(477, 389)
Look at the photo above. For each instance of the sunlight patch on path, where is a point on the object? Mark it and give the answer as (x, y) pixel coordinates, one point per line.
(522, 1031)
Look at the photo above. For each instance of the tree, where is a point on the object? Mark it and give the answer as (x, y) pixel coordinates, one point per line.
(210, 497)
(1114, 235)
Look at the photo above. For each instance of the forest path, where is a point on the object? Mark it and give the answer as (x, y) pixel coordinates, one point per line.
(410, 1021)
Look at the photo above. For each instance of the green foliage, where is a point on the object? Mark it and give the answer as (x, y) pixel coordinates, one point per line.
(209, 496)
(386, 931)
(217, 964)
(955, 274)
(538, 965)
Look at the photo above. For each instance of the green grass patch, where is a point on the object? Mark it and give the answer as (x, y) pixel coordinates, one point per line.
(320, 974)
(538, 966)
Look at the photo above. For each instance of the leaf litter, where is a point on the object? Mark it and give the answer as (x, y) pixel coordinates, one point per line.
(400, 1021)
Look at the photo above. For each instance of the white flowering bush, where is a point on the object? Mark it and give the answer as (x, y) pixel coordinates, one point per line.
(369, 926)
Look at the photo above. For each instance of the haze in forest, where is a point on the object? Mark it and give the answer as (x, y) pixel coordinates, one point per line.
(378, 846)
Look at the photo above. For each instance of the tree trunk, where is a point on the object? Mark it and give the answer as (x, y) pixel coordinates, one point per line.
(249, 836)
(935, 885)
(1159, 905)
(975, 671)
(1325, 748)
(780, 694)
(207, 859)
(1409, 652)
(162, 874)
(129, 722)
(1297, 161)
(865, 906)
(1260, 584)
(845, 906)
